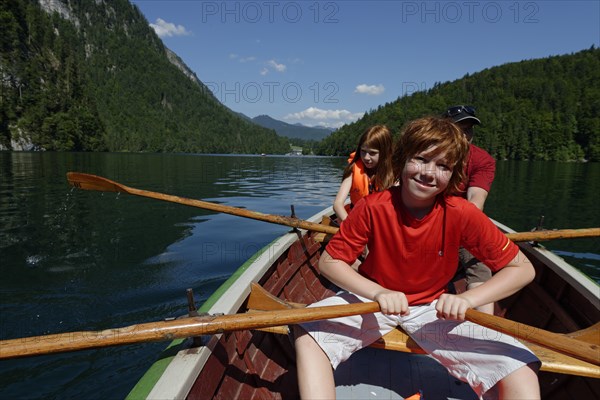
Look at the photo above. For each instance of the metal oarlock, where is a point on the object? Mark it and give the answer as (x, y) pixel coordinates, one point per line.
(193, 312)
(539, 227)
(293, 215)
(540, 224)
(293, 211)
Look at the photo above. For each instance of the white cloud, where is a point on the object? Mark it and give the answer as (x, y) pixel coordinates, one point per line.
(371, 90)
(276, 67)
(313, 116)
(264, 71)
(164, 28)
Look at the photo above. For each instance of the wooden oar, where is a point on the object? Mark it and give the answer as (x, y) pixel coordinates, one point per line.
(586, 348)
(579, 349)
(169, 330)
(398, 340)
(94, 182)
(207, 325)
(538, 236)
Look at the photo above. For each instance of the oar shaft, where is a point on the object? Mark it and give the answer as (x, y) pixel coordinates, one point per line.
(240, 212)
(169, 330)
(94, 182)
(589, 337)
(589, 352)
(196, 326)
(539, 236)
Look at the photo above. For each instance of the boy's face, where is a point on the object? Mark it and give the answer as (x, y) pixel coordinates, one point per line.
(424, 176)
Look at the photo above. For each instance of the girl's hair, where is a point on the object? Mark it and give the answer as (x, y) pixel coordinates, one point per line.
(376, 137)
(421, 134)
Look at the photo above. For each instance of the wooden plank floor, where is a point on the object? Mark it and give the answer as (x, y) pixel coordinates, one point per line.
(377, 374)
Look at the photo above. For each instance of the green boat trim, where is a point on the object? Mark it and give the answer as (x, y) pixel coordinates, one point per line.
(143, 387)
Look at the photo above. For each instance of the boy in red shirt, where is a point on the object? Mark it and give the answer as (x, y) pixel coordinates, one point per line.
(413, 233)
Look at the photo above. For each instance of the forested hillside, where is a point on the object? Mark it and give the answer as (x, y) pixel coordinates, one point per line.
(543, 109)
(93, 76)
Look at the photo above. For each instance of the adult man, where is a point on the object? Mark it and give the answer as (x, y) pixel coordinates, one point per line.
(480, 171)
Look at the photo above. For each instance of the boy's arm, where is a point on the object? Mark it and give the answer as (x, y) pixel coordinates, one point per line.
(344, 276)
(509, 280)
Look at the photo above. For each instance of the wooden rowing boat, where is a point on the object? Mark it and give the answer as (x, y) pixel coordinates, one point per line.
(261, 364)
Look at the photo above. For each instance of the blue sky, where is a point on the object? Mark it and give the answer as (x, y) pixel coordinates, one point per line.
(327, 62)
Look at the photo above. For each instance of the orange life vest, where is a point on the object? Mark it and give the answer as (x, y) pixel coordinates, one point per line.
(360, 180)
(416, 396)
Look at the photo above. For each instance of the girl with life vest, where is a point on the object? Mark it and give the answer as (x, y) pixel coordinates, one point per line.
(369, 169)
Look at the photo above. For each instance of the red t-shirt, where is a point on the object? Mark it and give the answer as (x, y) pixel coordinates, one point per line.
(418, 257)
(480, 171)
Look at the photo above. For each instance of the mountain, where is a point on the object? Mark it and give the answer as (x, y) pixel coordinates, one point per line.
(540, 109)
(244, 117)
(92, 75)
(298, 131)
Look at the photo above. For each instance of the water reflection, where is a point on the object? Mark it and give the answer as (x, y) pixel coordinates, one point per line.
(566, 194)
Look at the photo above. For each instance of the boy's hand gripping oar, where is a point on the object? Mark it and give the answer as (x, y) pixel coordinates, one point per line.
(195, 326)
(582, 345)
(94, 182)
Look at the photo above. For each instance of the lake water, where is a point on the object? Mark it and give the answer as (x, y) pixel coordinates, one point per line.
(77, 260)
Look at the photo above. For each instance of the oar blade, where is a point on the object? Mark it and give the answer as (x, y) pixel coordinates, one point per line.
(93, 182)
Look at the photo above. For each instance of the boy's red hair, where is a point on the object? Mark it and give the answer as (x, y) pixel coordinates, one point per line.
(421, 134)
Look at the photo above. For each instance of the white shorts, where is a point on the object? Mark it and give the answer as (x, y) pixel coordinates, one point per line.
(470, 352)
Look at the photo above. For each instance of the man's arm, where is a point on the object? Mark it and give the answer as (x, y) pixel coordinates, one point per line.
(477, 196)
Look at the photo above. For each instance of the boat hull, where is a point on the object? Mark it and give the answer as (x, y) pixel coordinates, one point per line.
(261, 365)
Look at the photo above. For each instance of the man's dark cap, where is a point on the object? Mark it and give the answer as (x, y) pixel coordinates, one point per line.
(462, 113)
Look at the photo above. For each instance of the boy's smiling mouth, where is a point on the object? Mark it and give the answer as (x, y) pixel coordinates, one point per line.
(424, 184)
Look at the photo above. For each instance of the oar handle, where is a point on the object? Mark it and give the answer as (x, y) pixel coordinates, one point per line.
(589, 352)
